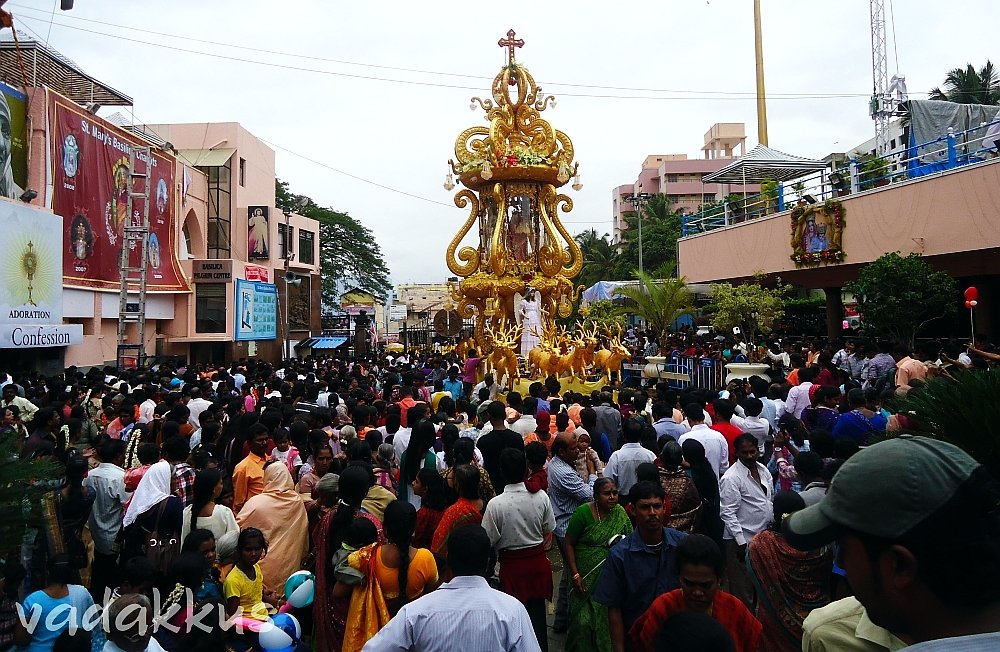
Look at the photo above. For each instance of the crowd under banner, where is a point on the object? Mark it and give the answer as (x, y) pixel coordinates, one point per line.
(89, 167)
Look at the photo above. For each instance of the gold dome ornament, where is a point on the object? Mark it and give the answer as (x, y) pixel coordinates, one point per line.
(511, 171)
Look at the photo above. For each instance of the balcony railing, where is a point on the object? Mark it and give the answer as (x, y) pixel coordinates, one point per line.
(946, 152)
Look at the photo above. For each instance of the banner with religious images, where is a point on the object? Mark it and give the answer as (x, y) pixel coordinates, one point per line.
(13, 142)
(258, 233)
(817, 233)
(89, 163)
(31, 288)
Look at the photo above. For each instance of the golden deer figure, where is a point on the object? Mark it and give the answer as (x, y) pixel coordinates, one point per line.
(611, 358)
(502, 360)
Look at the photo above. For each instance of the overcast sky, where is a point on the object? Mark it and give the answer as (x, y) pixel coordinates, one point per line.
(695, 57)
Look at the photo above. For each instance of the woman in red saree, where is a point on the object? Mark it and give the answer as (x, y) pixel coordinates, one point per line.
(467, 509)
(330, 612)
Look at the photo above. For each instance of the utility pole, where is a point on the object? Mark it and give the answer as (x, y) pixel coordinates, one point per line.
(638, 201)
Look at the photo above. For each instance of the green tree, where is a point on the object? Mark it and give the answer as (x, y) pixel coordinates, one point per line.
(661, 228)
(599, 258)
(348, 252)
(898, 295)
(658, 301)
(604, 314)
(751, 307)
(969, 86)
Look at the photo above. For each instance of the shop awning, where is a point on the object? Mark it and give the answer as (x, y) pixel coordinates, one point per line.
(321, 343)
(205, 158)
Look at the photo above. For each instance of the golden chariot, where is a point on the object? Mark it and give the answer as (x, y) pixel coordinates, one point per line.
(511, 172)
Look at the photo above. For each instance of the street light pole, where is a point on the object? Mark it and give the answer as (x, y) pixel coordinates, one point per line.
(286, 254)
(638, 200)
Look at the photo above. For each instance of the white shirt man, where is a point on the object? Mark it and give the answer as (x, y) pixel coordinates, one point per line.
(716, 446)
(197, 405)
(798, 396)
(755, 425)
(624, 461)
(494, 389)
(525, 425)
(745, 503)
(146, 410)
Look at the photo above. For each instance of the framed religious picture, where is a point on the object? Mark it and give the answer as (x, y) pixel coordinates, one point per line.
(258, 233)
(817, 233)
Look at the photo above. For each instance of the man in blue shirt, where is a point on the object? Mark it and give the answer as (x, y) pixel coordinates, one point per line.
(642, 566)
(567, 491)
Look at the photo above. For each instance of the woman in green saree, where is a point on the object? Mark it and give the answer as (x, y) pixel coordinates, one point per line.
(588, 540)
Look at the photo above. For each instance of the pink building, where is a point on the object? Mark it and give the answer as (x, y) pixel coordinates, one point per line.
(680, 178)
(215, 184)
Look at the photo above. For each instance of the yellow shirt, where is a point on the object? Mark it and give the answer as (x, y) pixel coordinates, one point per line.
(249, 591)
(843, 626)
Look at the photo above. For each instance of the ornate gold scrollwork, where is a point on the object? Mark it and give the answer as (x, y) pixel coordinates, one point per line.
(469, 256)
(519, 160)
(573, 255)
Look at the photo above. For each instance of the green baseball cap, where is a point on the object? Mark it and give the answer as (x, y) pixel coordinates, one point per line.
(884, 490)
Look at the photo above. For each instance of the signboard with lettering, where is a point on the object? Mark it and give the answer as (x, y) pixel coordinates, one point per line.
(214, 271)
(257, 273)
(31, 283)
(256, 311)
(397, 312)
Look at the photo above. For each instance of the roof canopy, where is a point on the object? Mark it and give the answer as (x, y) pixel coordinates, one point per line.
(764, 164)
(47, 67)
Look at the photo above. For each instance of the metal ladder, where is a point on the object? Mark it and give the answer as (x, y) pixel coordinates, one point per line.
(134, 234)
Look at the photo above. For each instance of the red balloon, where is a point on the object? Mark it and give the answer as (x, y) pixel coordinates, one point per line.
(971, 293)
(968, 304)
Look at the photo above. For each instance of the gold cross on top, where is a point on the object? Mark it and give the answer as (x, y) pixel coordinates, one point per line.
(510, 43)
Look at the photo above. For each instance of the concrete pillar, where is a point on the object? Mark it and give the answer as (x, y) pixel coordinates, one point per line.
(834, 313)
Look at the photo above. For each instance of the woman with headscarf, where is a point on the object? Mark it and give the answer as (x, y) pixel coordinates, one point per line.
(278, 512)
(790, 583)
(329, 613)
(707, 483)
(152, 509)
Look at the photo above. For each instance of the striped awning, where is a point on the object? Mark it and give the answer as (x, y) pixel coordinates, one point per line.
(764, 164)
(321, 343)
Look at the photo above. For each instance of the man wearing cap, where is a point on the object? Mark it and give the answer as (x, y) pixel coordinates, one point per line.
(918, 525)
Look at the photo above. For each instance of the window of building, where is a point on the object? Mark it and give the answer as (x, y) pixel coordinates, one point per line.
(306, 247)
(210, 307)
(243, 172)
(285, 234)
(219, 210)
(671, 178)
(708, 198)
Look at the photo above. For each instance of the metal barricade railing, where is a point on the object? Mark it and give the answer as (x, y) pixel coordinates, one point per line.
(948, 151)
(702, 373)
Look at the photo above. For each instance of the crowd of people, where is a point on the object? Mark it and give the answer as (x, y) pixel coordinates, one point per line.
(430, 508)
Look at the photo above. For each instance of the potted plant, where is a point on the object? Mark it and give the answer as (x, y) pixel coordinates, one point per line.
(769, 195)
(874, 172)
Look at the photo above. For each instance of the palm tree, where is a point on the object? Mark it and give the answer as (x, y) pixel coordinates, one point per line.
(969, 86)
(661, 227)
(599, 257)
(658, 301)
